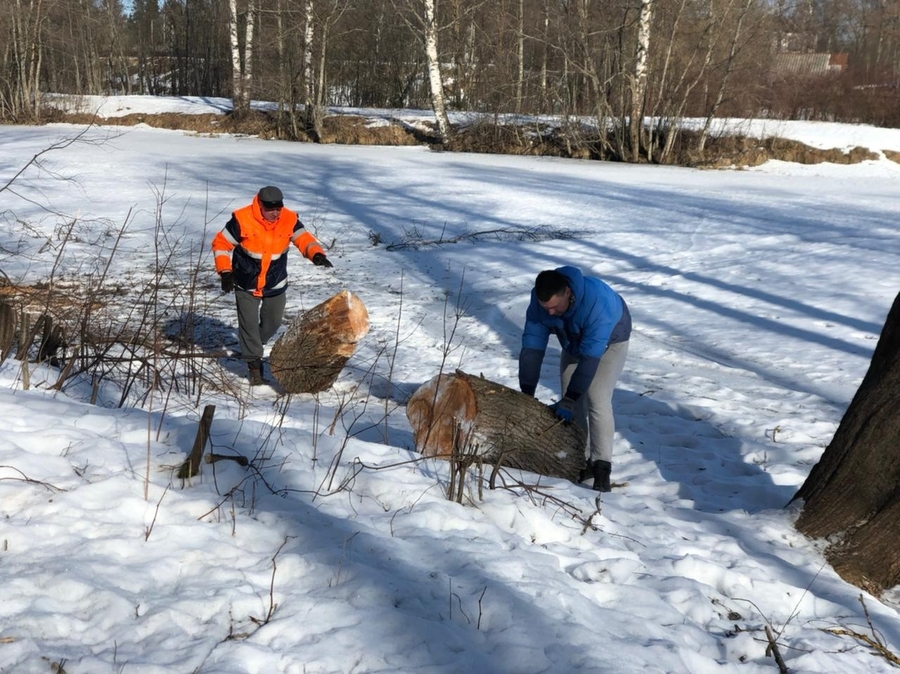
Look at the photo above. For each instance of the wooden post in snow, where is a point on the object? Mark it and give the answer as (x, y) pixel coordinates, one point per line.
(192, 466)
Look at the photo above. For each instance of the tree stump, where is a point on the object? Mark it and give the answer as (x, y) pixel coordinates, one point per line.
(7, 330)
(310, 355)
(852, 496)
(459, 414)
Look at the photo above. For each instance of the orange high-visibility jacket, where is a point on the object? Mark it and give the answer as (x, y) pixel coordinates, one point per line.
(255, 250)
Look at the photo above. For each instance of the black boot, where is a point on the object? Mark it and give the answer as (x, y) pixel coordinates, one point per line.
(585, 472)
(254, 369)
(601, 470)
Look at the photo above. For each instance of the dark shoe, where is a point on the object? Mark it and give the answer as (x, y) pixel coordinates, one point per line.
(585, 472)
(601, 471)
(254, 369)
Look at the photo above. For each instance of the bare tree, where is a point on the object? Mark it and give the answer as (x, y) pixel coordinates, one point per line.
(118, 63)
(241, 55)
(734, 48)
(433, 63)
(639, 78)
(310, 97)
(24, 53)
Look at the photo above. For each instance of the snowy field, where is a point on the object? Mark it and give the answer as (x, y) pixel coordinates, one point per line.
(757, 296)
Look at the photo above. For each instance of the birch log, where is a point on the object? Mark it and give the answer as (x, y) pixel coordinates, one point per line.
(467, 414)
(311, 353)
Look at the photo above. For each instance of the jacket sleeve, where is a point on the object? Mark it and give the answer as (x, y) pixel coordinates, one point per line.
(582, 377)
(306, 243)
(530, 370)
(534, 345)
(224, 242)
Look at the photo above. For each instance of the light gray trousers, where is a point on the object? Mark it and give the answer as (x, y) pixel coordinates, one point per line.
(258, 319)
(594, 410)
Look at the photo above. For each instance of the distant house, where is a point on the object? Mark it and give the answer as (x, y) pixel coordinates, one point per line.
(792, 65)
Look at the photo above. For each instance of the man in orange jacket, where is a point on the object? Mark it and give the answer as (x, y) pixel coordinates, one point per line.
(251, 259)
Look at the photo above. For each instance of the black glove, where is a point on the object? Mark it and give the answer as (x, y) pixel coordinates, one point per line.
(227, 281)
(320, 260)
(564, 409)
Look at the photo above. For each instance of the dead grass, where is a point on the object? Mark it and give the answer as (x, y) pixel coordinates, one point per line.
(345, 129)
(64, 300)
(539, 140)
(352, 130)
(741, 151)
(490, 138)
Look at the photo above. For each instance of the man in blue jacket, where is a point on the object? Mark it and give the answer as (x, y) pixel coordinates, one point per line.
(593, 325)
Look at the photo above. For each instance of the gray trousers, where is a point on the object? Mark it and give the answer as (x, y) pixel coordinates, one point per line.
(258, 319)
(594, 410)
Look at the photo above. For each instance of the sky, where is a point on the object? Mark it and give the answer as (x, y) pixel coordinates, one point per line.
(757, 296)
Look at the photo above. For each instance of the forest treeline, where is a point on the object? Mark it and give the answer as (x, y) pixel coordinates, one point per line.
(634, 68)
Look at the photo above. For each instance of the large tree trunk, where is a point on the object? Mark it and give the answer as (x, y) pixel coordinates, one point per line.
(854, 490)
(310, 355)
(459, 414)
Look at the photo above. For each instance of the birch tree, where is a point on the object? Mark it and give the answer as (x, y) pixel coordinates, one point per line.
(435, 79)
(639, 78)
(241, 59)
(520, 54)
(310, 107)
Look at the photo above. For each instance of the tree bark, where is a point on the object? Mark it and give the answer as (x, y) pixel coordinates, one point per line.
(312, 110)
(435, 79)
(241, 64)
(854, 490)
(639, 79)
(310, 355)
(460, 415)
(8, 321)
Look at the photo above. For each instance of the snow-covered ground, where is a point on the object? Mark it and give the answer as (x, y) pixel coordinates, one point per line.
(757, 296)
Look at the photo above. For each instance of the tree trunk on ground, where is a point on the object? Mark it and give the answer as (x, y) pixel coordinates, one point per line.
(854, 490)
(310, 355)
(459, 414)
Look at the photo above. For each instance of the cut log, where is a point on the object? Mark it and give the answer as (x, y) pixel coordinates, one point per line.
(311, 353)
(462, 414)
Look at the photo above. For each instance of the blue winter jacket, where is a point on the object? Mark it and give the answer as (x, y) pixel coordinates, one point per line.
(597, 317)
